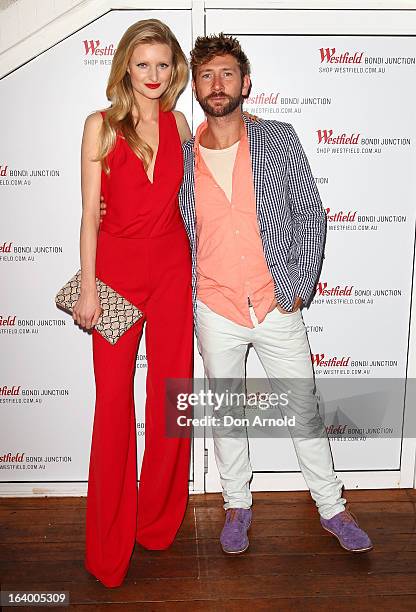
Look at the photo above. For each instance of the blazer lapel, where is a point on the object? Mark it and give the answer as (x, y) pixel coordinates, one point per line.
(257, 144)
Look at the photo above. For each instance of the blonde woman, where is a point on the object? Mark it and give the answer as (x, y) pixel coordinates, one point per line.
(131, 153)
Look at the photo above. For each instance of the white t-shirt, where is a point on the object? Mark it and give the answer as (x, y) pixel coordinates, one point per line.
(220, 163)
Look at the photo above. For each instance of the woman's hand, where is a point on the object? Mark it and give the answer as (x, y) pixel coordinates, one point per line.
(87, 309)
(103, 208)
(252, 117)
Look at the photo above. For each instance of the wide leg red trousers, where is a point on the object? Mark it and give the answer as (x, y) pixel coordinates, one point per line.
(154, 274)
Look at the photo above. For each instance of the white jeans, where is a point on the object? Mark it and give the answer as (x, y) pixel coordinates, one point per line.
(283, 349)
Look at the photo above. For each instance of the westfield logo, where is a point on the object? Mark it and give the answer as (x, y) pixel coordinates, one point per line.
(323, 289)
(93, 47)
(321, 361)
(14, 390)
(331, 57)
(326, 137)
(9, 458)
(341, 216)
(10, 320)
(263, 98)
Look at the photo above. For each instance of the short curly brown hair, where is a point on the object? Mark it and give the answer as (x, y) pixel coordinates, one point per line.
(208, 47)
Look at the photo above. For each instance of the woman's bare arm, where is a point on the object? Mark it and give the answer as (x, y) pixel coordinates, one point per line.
(182, 125)
(87, 310)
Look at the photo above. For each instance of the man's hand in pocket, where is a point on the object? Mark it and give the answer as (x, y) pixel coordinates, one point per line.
(298, 304)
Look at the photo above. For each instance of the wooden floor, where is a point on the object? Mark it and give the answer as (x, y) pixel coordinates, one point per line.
(292, 564)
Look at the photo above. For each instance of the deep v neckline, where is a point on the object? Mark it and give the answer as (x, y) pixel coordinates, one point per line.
(157, 152)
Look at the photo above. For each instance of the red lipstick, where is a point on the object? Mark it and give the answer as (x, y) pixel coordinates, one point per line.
(152, 85)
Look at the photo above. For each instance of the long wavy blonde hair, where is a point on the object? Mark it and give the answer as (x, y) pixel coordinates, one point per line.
(119, 117)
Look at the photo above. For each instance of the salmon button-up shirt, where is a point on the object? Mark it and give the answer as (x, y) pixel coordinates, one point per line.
(231, 268)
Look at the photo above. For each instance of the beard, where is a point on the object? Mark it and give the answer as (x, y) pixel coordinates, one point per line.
(221, 111)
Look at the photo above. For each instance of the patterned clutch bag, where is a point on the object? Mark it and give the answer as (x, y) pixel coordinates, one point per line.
(118, 313)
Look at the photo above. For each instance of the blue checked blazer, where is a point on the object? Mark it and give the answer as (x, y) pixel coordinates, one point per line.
(291, 219)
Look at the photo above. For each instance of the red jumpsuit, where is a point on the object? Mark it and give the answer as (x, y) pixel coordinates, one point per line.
(143, 253)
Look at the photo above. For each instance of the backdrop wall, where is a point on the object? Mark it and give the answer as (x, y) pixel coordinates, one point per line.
(351, 100)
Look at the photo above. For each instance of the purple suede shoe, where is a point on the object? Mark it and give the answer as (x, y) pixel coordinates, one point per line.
(234, 538)
(344, 526)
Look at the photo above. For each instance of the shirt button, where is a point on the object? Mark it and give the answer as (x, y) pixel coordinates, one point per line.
(237, 231)
(243, 256)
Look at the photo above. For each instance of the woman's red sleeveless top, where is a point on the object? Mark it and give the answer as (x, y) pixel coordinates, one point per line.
(137, 207)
